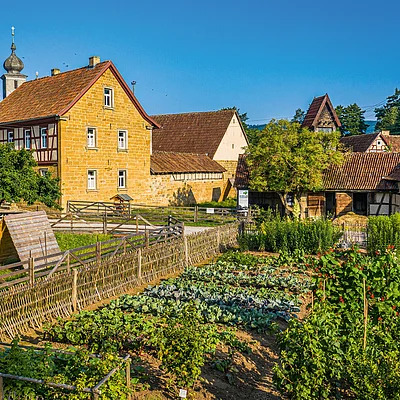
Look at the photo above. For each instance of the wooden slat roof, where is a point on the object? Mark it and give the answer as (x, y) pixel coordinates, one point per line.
(55, 95)
(196, 132)
(168, 162)
(31, 234)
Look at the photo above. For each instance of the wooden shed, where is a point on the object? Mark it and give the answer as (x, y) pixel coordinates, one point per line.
(26, 235)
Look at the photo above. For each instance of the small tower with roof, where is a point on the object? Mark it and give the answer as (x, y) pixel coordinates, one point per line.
(13, 78)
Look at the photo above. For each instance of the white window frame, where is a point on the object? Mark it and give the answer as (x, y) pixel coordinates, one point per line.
(43, 138)
(43, 171)
(122, 178)
(122, 139)
(27, 139)
(108, 97)
(10, 137)
(92, 179)
(91, 138)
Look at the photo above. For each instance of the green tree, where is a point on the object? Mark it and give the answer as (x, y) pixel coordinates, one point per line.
(388, 116)
(290, 159)
(20, 181)
(299, 116)
(352, 119)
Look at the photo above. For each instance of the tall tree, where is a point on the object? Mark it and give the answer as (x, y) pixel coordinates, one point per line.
(352, 120)
(20, 181)
(298, 116)
(388, 116)
(290, 159)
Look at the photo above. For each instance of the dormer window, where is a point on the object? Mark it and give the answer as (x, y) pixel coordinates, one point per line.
(108, 98)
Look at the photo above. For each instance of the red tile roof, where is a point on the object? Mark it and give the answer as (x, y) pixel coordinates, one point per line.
(167, 162)
(196, 132)
(393, 141)
(315, 110)
(360, 171)
(361, 143)
(55, 95)
(363, 171)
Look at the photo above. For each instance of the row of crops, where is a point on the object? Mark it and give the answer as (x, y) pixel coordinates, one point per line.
(349, 345)
(181, 322)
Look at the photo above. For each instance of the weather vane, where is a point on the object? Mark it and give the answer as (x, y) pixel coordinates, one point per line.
(12, 33)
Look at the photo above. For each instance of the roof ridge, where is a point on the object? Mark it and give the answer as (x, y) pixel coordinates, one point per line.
(193, 112)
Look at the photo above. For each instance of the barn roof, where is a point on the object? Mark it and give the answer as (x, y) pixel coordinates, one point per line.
(167, 162)
(196, 132)
(360, 171)
(52, 96)
(363, 171)
(314, 112)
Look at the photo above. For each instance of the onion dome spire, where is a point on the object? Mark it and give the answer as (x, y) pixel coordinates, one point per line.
(13, 64)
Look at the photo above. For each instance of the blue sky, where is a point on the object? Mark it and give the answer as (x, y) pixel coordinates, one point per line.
(265, 57)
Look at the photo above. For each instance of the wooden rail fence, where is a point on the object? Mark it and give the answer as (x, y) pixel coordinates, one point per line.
(42, 268)
(27, 306)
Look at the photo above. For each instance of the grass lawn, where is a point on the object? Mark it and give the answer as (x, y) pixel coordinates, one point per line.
(68, 241)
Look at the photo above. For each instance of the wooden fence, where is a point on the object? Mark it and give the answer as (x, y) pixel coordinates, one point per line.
(42, 268)
(155, 215)
(27, 306)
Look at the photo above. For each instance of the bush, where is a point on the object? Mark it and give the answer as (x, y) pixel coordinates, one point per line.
(279, 234)
(382, 232)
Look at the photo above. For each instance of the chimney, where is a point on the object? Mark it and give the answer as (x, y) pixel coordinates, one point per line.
(133, 83)
(55, 71)
(387, 133)
(93, 61)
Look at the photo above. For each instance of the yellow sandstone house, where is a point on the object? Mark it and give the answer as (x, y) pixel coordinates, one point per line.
(85, 126)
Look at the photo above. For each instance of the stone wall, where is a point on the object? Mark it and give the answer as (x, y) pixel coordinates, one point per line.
(164, 190)
(76, 158)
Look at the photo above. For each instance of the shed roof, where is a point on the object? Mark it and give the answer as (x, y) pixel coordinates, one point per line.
(52, 96)
(196, 132)
(242, 173)
(315, 110)
(361, 143)
(32, 235)
(167, 162)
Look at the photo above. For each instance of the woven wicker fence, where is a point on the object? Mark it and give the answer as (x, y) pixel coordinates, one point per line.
(29, 306)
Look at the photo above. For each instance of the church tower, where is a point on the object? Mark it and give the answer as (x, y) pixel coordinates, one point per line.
(13, 78)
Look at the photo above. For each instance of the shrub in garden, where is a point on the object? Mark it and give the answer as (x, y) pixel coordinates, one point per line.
(279, 234)
(382, 232)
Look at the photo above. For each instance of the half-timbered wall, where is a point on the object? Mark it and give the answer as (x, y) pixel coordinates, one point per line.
(42, 139)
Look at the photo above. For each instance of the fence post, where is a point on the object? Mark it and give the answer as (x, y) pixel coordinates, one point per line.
(186, 249)
(105, 223)
(139, 266)
(71, 221)
(137, 224)
(95, 395)
(128, 376)
(146, 238)
(75, 290)
(1, 388)
(196, 212)
(98, 253)
(68, 262)
(31, 266)
(124, 239)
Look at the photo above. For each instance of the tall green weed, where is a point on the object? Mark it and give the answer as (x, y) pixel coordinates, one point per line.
(382, 232)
